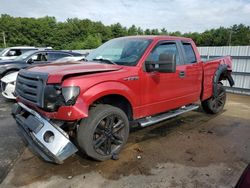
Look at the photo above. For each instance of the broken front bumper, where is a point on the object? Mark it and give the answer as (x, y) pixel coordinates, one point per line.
(46, 139)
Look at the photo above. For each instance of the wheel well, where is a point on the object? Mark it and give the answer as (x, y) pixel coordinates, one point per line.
(222, 74)
(9, 71)
(117, 101)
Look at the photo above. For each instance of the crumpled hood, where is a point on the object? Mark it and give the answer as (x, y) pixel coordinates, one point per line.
(57, 71)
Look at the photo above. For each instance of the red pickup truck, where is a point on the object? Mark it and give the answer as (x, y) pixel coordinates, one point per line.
(89, 105)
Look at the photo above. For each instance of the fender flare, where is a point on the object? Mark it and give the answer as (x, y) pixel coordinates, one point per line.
(222, 69)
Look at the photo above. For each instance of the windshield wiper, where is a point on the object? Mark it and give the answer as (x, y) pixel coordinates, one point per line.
(105, 61)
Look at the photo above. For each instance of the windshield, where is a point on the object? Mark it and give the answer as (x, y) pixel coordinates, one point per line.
(121, 51)
(25, 55)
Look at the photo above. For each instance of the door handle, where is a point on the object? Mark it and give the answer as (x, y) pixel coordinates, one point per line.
(181, 74)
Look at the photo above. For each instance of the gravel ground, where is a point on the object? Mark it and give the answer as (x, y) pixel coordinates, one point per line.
(11, 145)
(192, 150)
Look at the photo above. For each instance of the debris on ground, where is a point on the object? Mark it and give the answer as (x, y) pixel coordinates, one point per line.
(181, 133)
(138, 150)
(203, 131)
(138, 157)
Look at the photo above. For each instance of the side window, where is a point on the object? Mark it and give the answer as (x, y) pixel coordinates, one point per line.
(164, 48)
(39, 57)
(55, 56)
(190, 55)
(14, 52)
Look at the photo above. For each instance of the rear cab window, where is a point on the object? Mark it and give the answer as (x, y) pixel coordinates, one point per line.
(189, 53)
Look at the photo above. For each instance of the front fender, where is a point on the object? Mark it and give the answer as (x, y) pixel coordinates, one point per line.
(109, 88)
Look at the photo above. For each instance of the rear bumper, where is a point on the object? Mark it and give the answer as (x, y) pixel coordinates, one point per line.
(46, 139)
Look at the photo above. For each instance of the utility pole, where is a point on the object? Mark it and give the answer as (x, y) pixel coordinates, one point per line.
(230, 38)
(4, 41)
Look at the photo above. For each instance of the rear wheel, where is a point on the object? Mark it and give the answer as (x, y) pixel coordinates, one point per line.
(104, 133)
(214, 104)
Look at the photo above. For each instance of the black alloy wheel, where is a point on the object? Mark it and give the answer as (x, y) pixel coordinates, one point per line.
(108, 135)
(215, 104)
(104, 132)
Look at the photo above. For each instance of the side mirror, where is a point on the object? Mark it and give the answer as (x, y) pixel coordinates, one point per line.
(166, 63)
(30, 61)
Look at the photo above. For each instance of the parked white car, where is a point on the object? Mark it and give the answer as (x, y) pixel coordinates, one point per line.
(13, 52)
(8, 84)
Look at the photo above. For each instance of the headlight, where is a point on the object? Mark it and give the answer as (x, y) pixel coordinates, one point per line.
(56, 96)
(52, 97)
(70, 94)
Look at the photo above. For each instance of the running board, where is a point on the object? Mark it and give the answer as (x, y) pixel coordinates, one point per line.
(158, 118)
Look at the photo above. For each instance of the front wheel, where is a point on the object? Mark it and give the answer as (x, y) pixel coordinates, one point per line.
(214, 104)
(104, 133)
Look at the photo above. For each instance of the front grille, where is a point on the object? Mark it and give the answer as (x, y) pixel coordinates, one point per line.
(3, 86)
(30, 86)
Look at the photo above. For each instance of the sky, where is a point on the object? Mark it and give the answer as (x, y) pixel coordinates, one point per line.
(174, 15)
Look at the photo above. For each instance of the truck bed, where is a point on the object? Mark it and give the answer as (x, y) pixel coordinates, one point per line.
(209, 69)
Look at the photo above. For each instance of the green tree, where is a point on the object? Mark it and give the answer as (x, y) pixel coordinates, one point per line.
(132, 30)
(176, 33)
(155, 32)
(77, 33)
(164, 31)
(140, 31)
(118, 30)
(92, 42)
(147, 32)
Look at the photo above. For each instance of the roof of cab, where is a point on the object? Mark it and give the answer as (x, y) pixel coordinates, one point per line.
(159, 37)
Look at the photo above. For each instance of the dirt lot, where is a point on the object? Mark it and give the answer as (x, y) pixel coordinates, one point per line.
(11, 145)
(192, 150)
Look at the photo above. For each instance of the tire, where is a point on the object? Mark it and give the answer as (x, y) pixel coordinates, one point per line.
(215, 105)
(103, 133)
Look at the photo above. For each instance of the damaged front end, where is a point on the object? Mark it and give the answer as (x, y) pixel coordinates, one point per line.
(45, 138)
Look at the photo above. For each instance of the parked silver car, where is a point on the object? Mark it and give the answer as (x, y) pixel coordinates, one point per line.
(13, 52)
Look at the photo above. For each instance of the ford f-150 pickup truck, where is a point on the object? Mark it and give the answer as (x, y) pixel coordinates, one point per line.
(63, 108)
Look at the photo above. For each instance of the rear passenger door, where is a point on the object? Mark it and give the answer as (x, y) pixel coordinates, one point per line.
(191, 73)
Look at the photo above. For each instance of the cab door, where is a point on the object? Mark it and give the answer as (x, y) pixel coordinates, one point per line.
(192, 79)
(167, 91)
